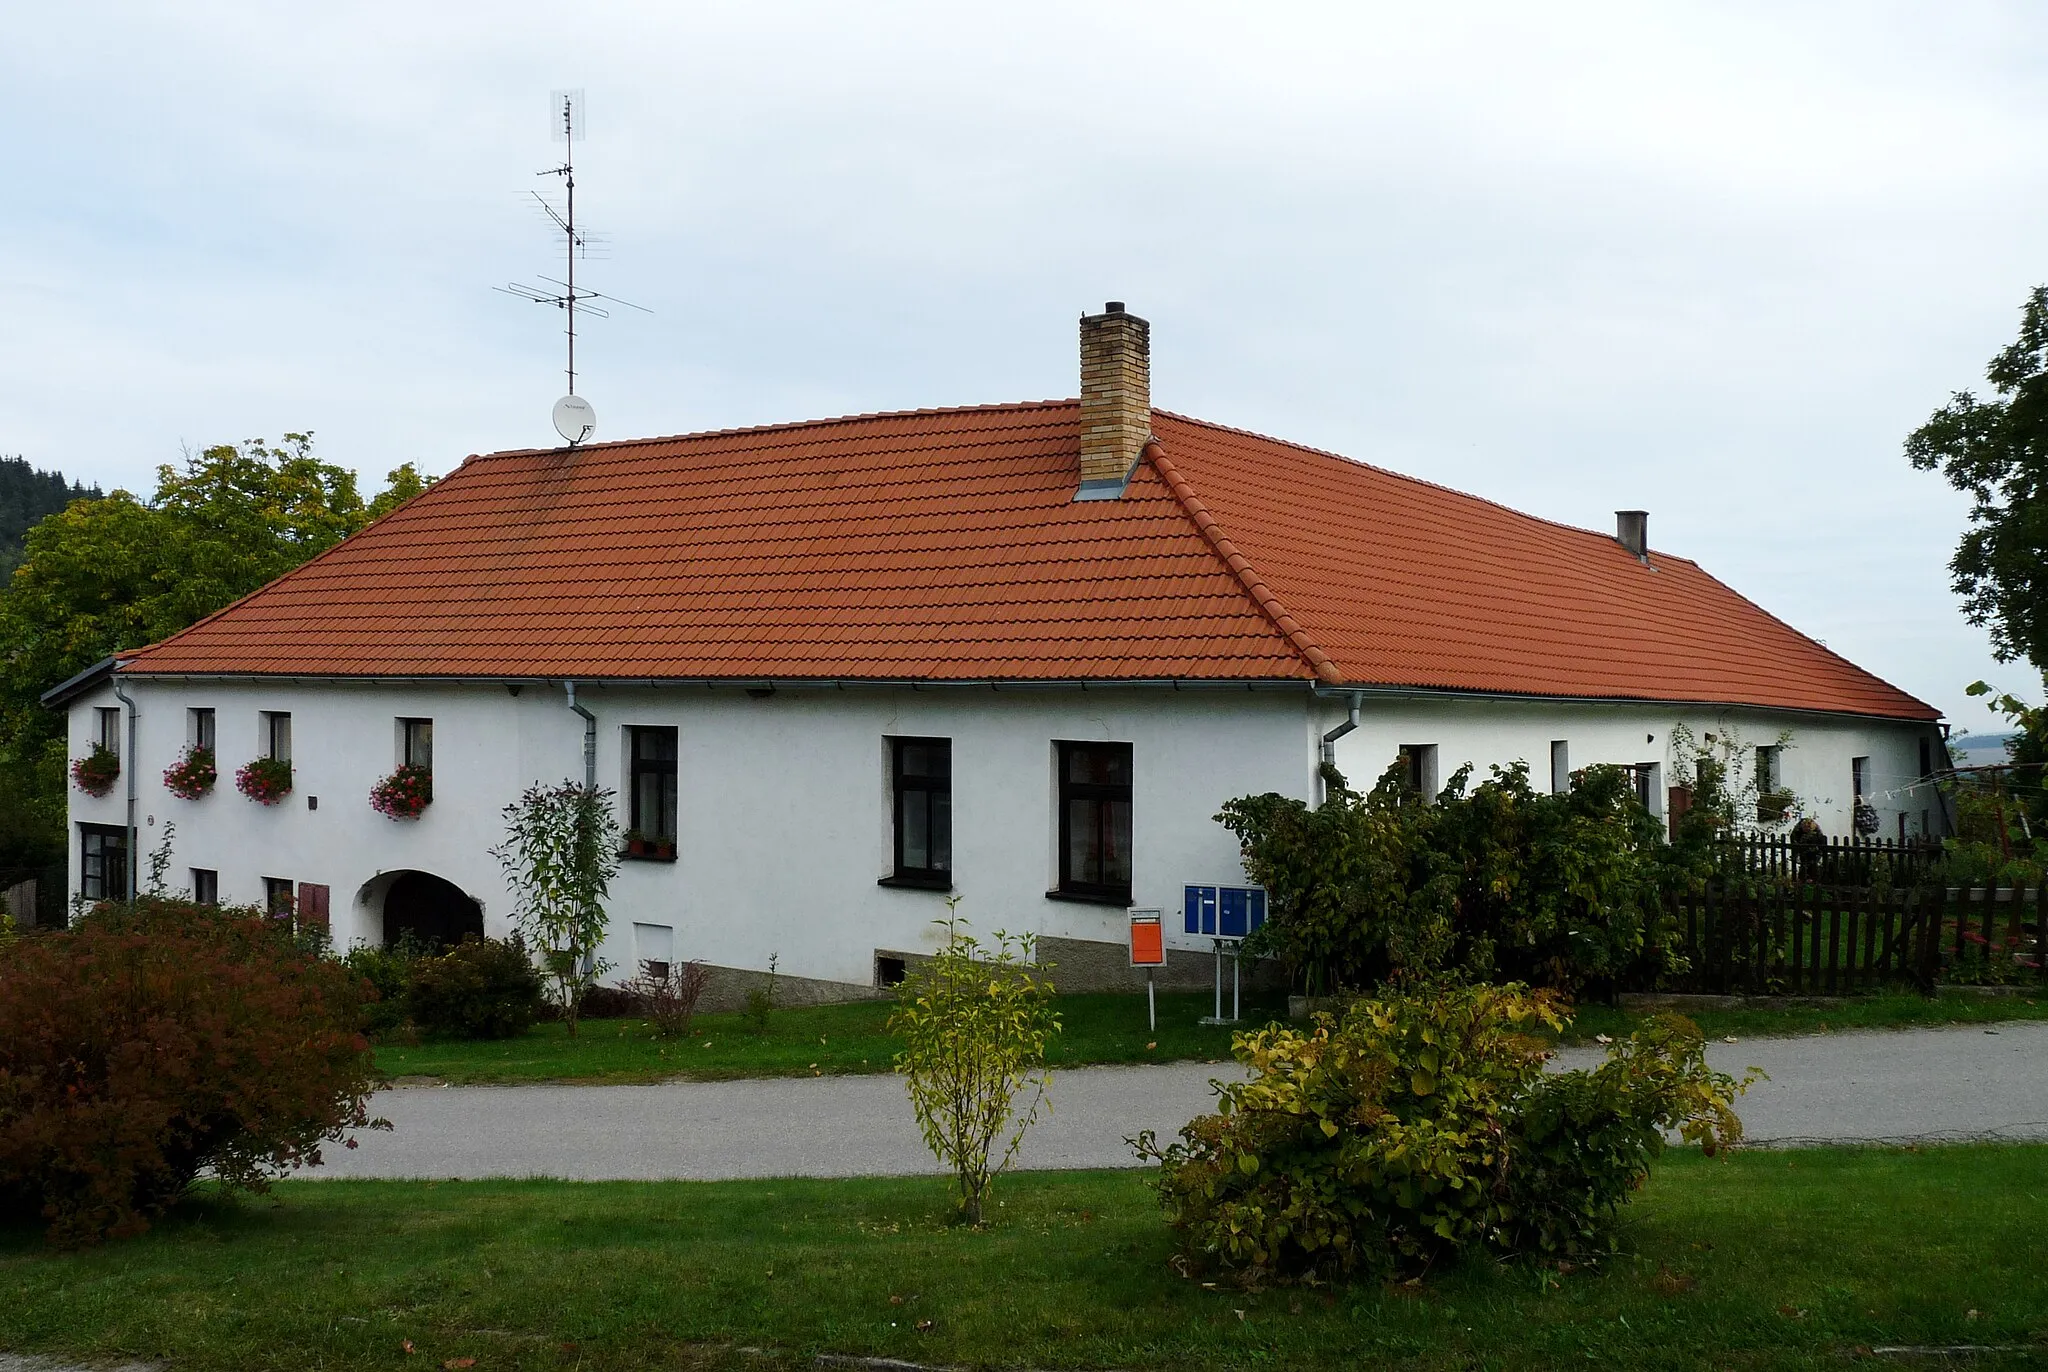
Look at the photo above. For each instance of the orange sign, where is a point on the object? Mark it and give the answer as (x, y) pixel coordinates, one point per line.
(1148, 939)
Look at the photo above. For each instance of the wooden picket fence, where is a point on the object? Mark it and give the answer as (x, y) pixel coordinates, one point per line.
(1841, 861)
(1792, 937)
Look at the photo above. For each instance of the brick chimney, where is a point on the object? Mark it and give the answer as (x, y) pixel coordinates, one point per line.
(1116, 399)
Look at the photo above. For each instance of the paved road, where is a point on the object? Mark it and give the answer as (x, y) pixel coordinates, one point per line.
(1915, 1084)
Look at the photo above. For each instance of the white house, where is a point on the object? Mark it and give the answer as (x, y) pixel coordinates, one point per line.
(836, 670)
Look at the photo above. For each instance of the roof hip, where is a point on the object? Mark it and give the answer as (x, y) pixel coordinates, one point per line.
(1240, 566)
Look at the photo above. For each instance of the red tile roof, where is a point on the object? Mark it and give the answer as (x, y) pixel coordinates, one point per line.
(945, 545)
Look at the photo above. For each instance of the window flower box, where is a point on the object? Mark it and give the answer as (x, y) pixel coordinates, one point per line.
(403, 794)
(266, 780)
(638, 845)
(97, 771)
(192, 775)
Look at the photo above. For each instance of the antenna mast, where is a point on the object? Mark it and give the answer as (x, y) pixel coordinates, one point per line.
(574, 418)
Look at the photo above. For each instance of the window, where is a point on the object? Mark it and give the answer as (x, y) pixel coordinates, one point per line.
(651, 785)
(205, 886)
(416, 743)
(107, 729)
(103, 862)
(1859, 777)
(1926, 756)
(199, 729)
(277, 897)
(1418, 769)
(1771, 802)
(922, 782)
(1646, 777)
(1560, 767)
(1095, 821)
(276, 740)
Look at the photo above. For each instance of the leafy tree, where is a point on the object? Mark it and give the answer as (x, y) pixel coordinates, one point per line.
(560, 853)
(26, 497)
(106, 575)
(975, 1023)
(1996, 451)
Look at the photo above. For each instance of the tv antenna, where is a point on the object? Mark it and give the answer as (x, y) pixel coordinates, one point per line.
(575, 420)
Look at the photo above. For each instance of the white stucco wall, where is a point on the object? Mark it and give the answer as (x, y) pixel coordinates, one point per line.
(784, 805)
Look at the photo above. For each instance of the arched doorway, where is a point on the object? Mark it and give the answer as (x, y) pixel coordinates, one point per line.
(430, 909)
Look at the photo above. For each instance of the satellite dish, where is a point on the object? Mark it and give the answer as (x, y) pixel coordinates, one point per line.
(574, 419)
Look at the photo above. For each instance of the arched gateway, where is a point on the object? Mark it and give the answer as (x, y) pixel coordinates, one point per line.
(431, 909)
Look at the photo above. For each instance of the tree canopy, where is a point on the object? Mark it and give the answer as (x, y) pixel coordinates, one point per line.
(28, 495)
(1996, 452)
(103, 576)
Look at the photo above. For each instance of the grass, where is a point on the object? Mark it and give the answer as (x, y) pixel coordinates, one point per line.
(1107, 1028)
(818, 1039)
(1763, 1261)
(1888, 1011)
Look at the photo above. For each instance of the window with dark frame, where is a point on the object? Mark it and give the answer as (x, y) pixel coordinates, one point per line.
(1095, 821)
(107, 729)
(1859, 777)
(277, 897)
(1418, 768)
(205, 886)
(103, 862)
(1770, 806)
(921, 771)
(651, 782)
(200, 725)
(416, 743)
(277, 735)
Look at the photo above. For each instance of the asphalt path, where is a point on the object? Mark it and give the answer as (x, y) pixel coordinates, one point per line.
(1922, 1085)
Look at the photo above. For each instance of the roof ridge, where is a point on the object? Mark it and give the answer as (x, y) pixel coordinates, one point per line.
(1240, 566)
(785, 426)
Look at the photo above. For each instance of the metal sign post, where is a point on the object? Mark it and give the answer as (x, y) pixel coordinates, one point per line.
(1227, 915)
(1148, 950)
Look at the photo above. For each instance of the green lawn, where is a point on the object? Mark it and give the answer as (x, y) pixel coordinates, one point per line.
(1765, 1261)
(798, 1042)
(1099, 1029)
(1891, 1011)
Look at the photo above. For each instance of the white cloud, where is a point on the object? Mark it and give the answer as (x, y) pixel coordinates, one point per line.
(1711, 260)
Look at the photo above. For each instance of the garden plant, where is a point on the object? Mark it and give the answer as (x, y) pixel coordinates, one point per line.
(479, 989)
(192, 775)
(266, 780)
(1421, 1126)
(974, 1022)
(1497, 881)
(560, 853)
(157, 1041)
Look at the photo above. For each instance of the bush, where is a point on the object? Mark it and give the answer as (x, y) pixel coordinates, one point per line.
(389, 972)
(148, 1044)
(670, 1000)
(974, 1023)
(1499, 882)
(607, 1002)
(1421, 1126)
(479, 989)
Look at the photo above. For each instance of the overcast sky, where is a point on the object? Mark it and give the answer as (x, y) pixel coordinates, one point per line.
(1715, 261)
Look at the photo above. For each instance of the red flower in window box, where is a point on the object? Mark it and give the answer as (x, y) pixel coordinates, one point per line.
(97, 771)
(192, 775)
(265, 779)
(404, 793)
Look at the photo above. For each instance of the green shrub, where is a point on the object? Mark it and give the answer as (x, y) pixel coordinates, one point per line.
(974, 1022)
(1420, 1126)
(479, 989)
(151, 1043)
(389, 972)
(1499, 882)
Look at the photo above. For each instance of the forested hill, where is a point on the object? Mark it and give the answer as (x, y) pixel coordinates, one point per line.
(26, 496)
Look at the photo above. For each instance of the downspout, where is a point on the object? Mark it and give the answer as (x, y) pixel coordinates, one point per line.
(128, 768)
(1330, 745)
(589, 738)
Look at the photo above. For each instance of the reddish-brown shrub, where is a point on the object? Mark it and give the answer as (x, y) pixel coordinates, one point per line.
(147, 1045)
